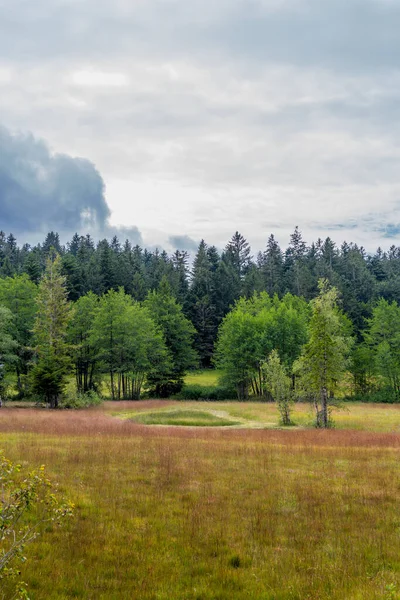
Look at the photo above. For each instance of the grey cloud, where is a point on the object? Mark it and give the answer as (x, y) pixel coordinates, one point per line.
(40, 191)
(345, 34)
(292, 104)
(124, 233)
(183, 242)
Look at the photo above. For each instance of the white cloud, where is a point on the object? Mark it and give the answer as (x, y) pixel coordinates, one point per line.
(5, 75)
(92, 78)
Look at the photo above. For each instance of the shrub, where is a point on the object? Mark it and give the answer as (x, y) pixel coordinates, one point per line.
(384, 395)
(73, 399)
(26, 506)
(213, 393)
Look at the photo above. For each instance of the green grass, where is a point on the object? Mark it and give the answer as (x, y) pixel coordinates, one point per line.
(205, 377)
(192, 418)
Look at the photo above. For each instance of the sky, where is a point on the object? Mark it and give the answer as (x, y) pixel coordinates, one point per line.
(169, 121)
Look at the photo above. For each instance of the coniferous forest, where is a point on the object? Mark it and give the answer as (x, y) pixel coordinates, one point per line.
(143, 318)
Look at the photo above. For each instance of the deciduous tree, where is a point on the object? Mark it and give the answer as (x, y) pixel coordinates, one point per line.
(324, 357)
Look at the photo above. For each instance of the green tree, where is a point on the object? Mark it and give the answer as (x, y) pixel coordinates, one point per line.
(279, 384)
(147, 354)
(178, 334)
(239, 351)
(202, 305)
(50, 331)
(383, 337)
(18, 294)
(110, 336)
(83, 352)
(128, 343)
(324, 357)
(8, 348)
(250, 332)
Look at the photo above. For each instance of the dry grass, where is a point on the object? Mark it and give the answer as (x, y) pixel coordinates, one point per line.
(205, 514)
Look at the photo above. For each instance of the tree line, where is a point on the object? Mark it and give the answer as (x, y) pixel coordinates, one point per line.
(147, 316)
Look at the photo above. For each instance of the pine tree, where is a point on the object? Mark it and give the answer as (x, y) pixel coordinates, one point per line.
(202, 308)
(237, 252)
(271, 266)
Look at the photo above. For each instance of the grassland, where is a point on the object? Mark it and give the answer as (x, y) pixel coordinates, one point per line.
(197, 513)
(180, 417)
(262, 415)
(205, 377)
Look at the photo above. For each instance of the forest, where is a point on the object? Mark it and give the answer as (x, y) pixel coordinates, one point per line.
(125, 321)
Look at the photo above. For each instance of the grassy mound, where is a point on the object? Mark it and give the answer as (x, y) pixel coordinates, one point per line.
(192, 418)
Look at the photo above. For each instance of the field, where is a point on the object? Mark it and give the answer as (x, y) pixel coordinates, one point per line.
(246, 510)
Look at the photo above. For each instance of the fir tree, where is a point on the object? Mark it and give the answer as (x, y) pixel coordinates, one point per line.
(50, 372)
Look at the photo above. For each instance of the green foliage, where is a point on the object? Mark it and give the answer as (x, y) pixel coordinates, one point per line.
(206, 392)
(239, 350)
(74, 399)
(383, 337)
(26, 505)
(178, 334)
(203, 305)
(8, 349)
(18, 294)
(128, 343)
(362, 369)
(324, 357)
(218, 280)
(52, 366)
(83, 352)
(250, 332)
(279, 384)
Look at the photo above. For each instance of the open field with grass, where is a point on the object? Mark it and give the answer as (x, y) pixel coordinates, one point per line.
(356, 416)
(195, 513)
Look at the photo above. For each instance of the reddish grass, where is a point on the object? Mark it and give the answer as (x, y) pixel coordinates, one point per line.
(99, 422)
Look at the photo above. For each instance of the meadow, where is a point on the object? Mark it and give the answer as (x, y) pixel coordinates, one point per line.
(245, 510)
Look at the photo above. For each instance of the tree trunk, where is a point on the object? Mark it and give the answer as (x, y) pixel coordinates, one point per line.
(324, 408)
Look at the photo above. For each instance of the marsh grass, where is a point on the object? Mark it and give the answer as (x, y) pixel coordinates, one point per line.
(218, 513)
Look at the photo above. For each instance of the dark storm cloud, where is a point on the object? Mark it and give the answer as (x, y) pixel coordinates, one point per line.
(41, 191)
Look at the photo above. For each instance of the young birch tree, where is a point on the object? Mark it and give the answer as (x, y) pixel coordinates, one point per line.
(324, 358)
(279, 384)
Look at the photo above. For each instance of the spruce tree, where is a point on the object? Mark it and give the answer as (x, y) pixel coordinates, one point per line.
(52, 366)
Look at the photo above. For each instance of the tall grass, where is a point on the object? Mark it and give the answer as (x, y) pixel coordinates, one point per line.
(201, 514)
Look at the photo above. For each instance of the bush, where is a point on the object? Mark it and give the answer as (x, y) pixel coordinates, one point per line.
(385, 396)
(28, 505)
(73, 399)
(213, 393)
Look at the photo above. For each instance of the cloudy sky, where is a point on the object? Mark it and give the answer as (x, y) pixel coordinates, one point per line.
(173, 120)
